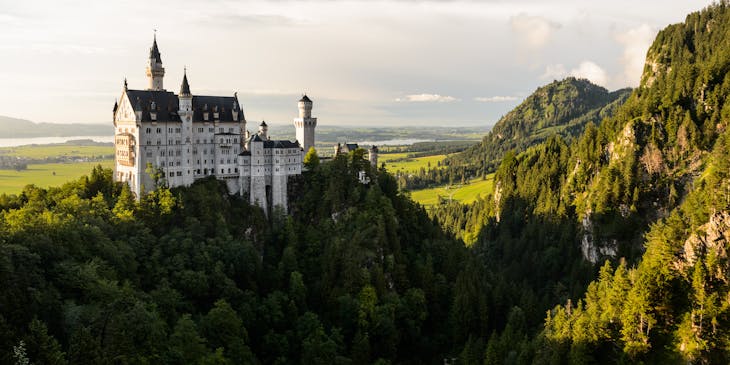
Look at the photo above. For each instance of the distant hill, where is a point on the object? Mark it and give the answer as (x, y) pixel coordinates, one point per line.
(22, 128)
(561, 107)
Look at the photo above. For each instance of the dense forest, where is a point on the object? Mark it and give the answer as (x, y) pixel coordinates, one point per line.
(607, 246)
(647, 190)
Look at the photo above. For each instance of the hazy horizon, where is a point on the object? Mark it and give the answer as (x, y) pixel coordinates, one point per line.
(381, 64)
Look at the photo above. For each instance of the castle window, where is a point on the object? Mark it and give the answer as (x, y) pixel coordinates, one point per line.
(235, 170)
(148, 130)
(211, 130)
(172, 174)
(159, 130)
(229, 170)
(149, 142)
(221, 171)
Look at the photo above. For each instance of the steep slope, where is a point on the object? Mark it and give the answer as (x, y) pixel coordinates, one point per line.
(561, 107)
(651, 184)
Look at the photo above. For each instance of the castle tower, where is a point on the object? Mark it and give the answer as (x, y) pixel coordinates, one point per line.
(186, 118)
(373, 156)
(264, 130)
(305, 124)
(155, 71)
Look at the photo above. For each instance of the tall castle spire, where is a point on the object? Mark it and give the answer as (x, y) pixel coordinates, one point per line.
(185, 87)
(155, 71)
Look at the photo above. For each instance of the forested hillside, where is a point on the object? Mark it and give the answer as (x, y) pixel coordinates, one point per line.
(648, 189)
(561, 108)
(625, 227)
(357, 273)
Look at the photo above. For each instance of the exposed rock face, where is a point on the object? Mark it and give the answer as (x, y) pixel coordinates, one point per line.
(593, 252)
(711, 238)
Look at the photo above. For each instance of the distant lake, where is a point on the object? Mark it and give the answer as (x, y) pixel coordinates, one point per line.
(394, 142)
(14, 142)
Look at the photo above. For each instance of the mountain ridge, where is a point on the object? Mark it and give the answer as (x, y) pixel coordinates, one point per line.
(23, 128)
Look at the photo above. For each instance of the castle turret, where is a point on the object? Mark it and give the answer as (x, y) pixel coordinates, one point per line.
(373, 156)
(185, 97)
(305, 124)
(155, 71)
(185, 111)
(114, 112)
(263, 130)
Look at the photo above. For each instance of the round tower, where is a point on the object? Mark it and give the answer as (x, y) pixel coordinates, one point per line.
(305, 124)
(185, 97)
(263, 130)
(373, 156)
(305, 107)
(155, 71)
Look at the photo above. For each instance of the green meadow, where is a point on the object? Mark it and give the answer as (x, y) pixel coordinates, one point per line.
(466, 193)
(46, 175)
(57, 150)
(409, 164)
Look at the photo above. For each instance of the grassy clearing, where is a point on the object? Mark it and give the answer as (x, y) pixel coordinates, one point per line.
(463, 193)
(60, 150)
(410, 165)
(12, 182)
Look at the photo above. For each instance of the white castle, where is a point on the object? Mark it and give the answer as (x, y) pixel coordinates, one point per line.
(188, 137)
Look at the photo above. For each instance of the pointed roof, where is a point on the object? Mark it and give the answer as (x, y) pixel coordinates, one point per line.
(263, 124)
(116, 106)
(305, 98)
(185, 87)
(154, 51)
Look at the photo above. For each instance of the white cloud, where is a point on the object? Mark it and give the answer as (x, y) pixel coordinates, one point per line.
(636, 42)
(495, 99)
(533, 32)
(428, 98)
(591, 71)
(585, 70)
(554, 72)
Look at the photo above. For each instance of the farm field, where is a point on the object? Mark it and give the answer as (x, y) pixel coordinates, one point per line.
(463, 193)
(57, 150)
(410, 165)
(13, 182)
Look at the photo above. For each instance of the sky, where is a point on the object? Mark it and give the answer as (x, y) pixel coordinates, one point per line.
(363, 63)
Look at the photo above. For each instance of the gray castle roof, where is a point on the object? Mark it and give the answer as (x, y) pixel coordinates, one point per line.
(154, 51)
(349, 147)
(167, 104)
(185, 87)
(273, 143)
(305, 98)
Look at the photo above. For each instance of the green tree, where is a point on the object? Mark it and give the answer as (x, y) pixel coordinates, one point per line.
(311, 159)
